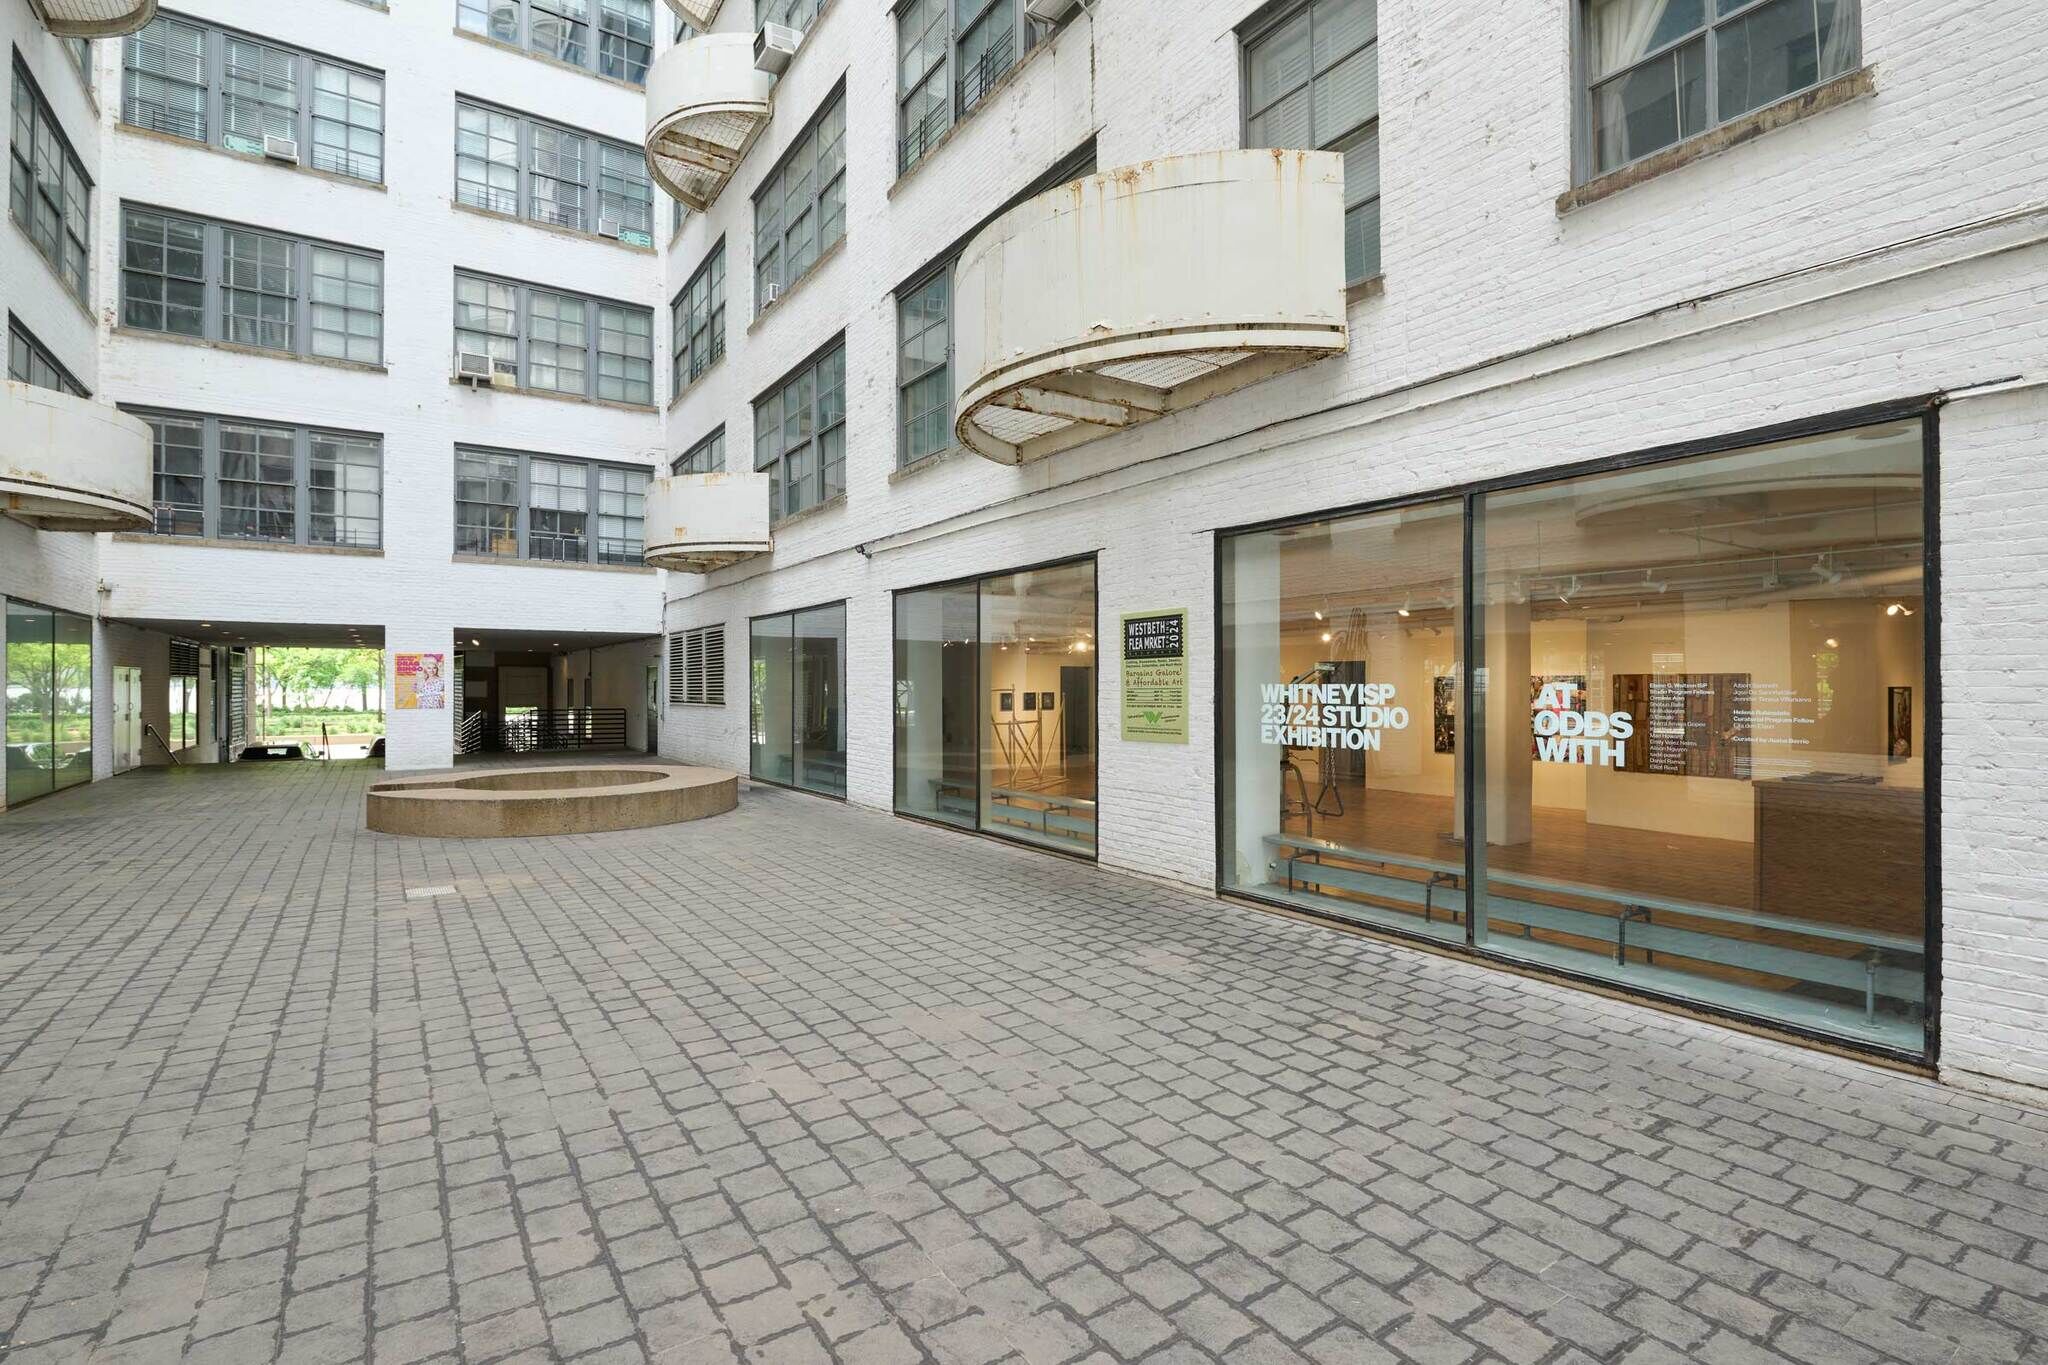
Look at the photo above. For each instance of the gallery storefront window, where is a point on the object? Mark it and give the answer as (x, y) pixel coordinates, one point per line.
(1696, 726)
(995, 705)
(797, 699)
(49, 701)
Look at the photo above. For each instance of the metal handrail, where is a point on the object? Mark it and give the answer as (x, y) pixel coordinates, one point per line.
(150, 730)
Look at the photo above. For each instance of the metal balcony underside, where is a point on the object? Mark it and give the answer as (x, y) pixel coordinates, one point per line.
(705, 105)
(698, 14)
(70, 464)
(94, 18)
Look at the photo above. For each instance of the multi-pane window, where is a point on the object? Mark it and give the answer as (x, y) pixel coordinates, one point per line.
(800, 212)
(800, 434)
(28, 362)
(258, 294)
(1659, 71)
(225, 478)
(949, 55)
(697, 322)
(612, 38)
(705, 457)
(1312, 80)
(558, 342)
(214, 85)
(47, 190)
(923, 373)
(796, 14)
(509, 163)
(512, 505)
(696, 667)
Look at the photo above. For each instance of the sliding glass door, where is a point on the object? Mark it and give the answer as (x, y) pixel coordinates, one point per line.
(797, 699)
(49, 701)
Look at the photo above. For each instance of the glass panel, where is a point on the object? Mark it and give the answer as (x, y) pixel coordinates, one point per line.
(1362, 204)
(1841, 37)
(1338, 692)
(819, 696)
(1278, 63)
(1038, 767)
(771, 709)
(1341, 28)
(71, 692)
(937, 776)
(31, 703)
(1621, 33)
(1702, 735)
(1766, 55)
(1636, 114)
(1347, 95)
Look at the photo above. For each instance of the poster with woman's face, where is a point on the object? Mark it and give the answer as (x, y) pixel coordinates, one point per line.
(418, 684)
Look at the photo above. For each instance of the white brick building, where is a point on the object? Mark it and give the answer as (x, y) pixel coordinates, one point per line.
(1798, 226)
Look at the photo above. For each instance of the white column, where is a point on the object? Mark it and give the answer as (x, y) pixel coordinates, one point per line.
(422, 738)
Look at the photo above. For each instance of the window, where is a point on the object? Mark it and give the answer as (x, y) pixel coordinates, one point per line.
(260, 296)
(1686, 756)
(995, 705)
(229, 479)
(1312, 80)
(561, 343)
(79, 50)
(213, 85)
(1660, 71)
(510, 163)
(49, 701)
(697, 322)
(924, 338)
(796, 14)
(29, 363)
(705, 457)
(47, 190)
(800, 212)
(796, 702)
(800, 434)
(511, 505)
(696, 667)
(949, 55)
(182, 696)
(562, 30)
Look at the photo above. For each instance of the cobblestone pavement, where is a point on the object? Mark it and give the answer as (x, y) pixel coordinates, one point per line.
(808, 1083)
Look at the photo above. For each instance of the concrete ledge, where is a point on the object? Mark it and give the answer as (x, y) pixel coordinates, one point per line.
(524, 802)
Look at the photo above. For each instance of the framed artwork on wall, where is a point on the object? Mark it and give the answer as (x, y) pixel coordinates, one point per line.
(1045, 701)
(1898, 712)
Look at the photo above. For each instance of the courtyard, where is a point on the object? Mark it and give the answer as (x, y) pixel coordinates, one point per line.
(809, 1083)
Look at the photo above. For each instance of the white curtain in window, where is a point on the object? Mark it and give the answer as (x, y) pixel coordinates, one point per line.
(1840, 36)
(1621, 30)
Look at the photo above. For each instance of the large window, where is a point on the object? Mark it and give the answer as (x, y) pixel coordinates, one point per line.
(1689, 758)
(797, 699)
(48, 193)
(621, 47)
(511, 163)
(800, 434)
(1659, 71)
(30, 363)
(230, 479)
(191, 277)
(697, 322)
(1312, 79)
(995, 705)
(560, 343)
(208, 84)
(513, 505)
(800, 210)
(705, 457)
(49, 701)
(949, 55)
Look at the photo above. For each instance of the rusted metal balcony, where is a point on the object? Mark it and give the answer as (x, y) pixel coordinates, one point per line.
(705, 105)
(699, 522)
(93, 18)
(70, 464)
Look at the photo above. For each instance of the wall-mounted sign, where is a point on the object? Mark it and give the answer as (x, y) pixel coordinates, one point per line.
(1155, 676)
(419, 682)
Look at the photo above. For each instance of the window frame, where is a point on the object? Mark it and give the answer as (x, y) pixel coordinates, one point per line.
(18, 335)
(591, 61)
(684, 331)
(66, 249)
(523, 508)
(215, 97)
(590, 185)
(710, 689)
(214, 284)
(804, 145)
(303, 437)
(522, 335)
(810, 368)
(705, 456)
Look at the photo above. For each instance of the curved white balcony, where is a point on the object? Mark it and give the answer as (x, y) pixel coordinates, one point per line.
(1117, 299)
(698, 14)
(700, 522)
(70, 464)
(705, 105)
(94, 18)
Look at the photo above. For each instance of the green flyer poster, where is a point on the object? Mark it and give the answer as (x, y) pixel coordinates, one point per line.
(1155, 676)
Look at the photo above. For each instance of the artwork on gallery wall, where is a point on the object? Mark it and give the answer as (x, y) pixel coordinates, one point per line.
(1045, 701)
(1686, 724)
(1898, 723)
(1572, 685)
(1030, 701)
(1006, 701)
(1443, 714)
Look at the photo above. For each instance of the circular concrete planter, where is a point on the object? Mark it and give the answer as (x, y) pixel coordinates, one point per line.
(523, 802)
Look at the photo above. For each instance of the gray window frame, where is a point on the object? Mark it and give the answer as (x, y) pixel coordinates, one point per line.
(478, 17)
(523, 509)
(942, 273)
(1584, 167)
(212, 75)
(592, 194)
(25, 353)
(26, 190)
(784, 499)
(594, 334)
(690, 357)
(214, 283)
(1264, 26)
(786, 12)
(707, 456)
(303, 437)
(965, 91)
(805, 143)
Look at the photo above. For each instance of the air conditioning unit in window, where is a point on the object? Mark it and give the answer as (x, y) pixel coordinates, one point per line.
(473, 367)
(609, 227)
(774, 293)
(281, 148)
(1048, 11)
(504, 374)
(774, 45)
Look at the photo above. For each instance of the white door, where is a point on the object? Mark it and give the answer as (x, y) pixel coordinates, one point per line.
(127, 718)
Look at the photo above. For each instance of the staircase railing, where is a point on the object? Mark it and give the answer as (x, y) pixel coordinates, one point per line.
(150, 730)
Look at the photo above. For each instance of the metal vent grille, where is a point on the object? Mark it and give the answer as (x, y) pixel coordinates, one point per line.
(696, 667)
